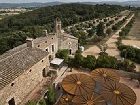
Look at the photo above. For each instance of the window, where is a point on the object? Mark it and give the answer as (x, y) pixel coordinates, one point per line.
(44, 72)
(52, 48)
(50, 57)
(69, 43)
(42, 61)
(38, 45)
(47, 50)
(45, 41)
(11, 102)
(30, 70)
(70, 52)
(12, 84)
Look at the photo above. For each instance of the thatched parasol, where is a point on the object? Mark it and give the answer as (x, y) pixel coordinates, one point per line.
(66, 99)
(118, 94)
(88, 100)
(105, 75)
(78, 84)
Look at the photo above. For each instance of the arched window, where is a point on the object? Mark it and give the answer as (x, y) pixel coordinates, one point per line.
(70, 52)
(44, 72)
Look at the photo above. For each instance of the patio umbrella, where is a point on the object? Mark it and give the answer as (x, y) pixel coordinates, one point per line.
(66, 99)
(105, 75)
(78, 84)
(88, 100)
(118, 94)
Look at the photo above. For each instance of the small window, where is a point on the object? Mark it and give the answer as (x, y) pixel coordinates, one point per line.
(11, 102)
(30, 70)
(12, 84)
(52, 48)
(52, 38)
(45, 41)
(70, 52)
(69, 43)
(38, 45)
(50, 57)
(44, 72)
(42, 61)
(47, 50)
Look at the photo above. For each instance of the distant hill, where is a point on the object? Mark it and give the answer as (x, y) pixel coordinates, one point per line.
(37, 4)
(28, 5)
(132, 3)
(126, 3)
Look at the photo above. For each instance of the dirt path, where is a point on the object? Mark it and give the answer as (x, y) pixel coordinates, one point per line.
(112, 48)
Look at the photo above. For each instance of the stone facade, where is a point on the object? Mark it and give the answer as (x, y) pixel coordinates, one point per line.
(24, 84)
(23, 67)
(48, 44)
(71, 44)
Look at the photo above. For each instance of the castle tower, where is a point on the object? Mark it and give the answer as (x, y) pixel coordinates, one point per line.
(58, 31)
(58, 26)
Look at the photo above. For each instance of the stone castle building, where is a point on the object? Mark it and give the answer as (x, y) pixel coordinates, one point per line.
(22, 68)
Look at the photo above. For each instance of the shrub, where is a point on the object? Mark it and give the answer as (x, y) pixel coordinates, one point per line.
(63, 54)
(89, 62)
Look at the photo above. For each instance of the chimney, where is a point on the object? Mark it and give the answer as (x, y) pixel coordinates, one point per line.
(30, 42)
(45, 32)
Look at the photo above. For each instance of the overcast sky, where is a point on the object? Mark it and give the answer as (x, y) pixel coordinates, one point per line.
(27, 1)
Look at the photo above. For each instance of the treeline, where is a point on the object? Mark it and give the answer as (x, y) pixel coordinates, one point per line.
(125, 31)
(32, 23)
(130, 52)
(118, 25)
(90, 62)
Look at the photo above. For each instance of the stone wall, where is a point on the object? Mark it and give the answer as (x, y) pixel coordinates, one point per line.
(47, 45)
(24, 84)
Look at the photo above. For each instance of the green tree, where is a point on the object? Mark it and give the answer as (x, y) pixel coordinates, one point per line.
(78, 60)
(89, 62)
(105, 20)
(63, 54)
(114, 27)
(92, 31)
(100, 29)
(106, 61)
(71, 63)
(109, 31)
(51, 96)
(126, 65)
(42, 102)
(128, 53)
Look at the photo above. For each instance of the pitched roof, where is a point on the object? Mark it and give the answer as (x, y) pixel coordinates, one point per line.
(16, 61)
(48, 40)
(69, 36)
